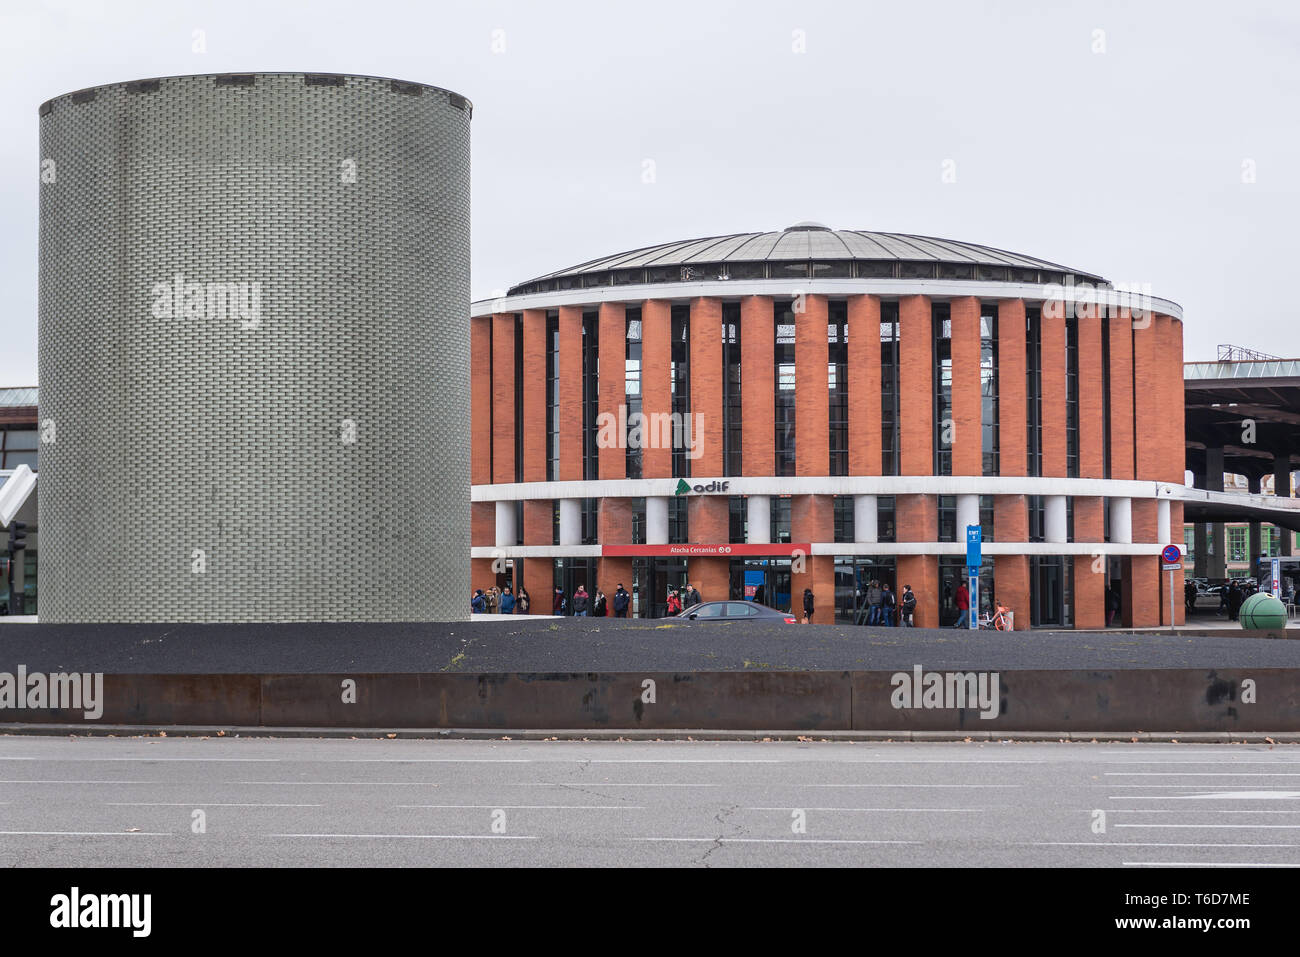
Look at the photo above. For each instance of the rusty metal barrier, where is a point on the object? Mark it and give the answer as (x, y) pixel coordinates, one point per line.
(1188, 700)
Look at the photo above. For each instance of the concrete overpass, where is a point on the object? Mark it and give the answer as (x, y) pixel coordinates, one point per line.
(1243, 417)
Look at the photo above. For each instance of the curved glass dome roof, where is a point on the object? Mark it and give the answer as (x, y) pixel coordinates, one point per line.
(808, 250)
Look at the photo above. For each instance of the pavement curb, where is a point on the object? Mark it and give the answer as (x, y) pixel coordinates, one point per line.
(651, 734)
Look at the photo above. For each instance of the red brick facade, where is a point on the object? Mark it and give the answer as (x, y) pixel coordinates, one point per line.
(1143, 351)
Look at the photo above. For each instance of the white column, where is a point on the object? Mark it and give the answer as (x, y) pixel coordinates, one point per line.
(570, 521)
(1121, 521)
(656, 520)
(1162, 525)
(864, 518)
(968, 513)
(507, 533)
(1055, 526)
(759, 526)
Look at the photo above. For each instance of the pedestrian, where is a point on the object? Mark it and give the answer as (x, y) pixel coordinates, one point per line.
(598, 605)
(886, 605)
(1189, 596)
(557, 603)
(691, 597)
(492, 600)
(478, 602)
(907, 608)
(962, 597)
(1234, 600)
(581, 604)
(1112, 603)
(522, 602)
(621, 601)
(506, 604)
(807, 606)
(874, 597)
(674, 602)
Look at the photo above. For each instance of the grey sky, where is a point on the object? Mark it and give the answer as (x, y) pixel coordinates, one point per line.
(1127, 163)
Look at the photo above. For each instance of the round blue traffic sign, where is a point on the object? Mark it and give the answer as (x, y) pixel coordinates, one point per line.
(1171, 554)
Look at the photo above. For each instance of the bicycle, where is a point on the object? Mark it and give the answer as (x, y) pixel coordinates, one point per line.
(995, 622)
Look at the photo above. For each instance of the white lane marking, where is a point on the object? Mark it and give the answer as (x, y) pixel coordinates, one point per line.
(1189, 787)
(1194, 810)
(420, 761)
(89, 782)
(759, 840)
(768, 784)
(89, 833)
(910, 810)
(1274, 827)
(96, 760)
(1140, 844)
(527, 807)
(1264, 795)
(1203, 774)
(1202, 864)
(421, 837)
(196, 804)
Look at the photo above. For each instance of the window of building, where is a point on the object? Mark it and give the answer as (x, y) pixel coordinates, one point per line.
(1238, 544)
(947, 529)
(591, 521)
(785, 389)
(678, 528)
(1034, 390)
(518, 424)
(844, 527)
(885, 531)
(943, 422)
(632, 388)
(1072, 396)
(837, 370)
(731, 409)
(989, 388)
(986, 518)
(1105, 402)
(681, 382)
(590, 395)
(553, 397)
(780, 519)
(1189, 541)
(737, 519)
(637, 507)
(889, 388)
(1037, 518)
(18, 447)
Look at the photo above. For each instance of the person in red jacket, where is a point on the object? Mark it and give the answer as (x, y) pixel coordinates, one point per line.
(962, 598)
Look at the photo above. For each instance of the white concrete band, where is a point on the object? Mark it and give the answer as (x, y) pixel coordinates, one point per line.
(758, 529)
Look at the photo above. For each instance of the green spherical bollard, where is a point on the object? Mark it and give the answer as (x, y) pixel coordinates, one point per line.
(1263, 612)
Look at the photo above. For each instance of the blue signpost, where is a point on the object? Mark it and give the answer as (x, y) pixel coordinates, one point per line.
(974, 539)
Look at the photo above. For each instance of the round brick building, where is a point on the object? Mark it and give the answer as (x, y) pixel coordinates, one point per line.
(813, 408)
(253, 290)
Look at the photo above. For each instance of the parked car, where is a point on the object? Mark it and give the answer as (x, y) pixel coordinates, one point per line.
(736, 611)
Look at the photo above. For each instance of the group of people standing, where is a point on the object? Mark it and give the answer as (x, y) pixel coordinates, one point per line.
(688, 597)
(503, 601)
(500, 601)
(882, 605)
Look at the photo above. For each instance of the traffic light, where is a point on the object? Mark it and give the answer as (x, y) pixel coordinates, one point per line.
(17, 536)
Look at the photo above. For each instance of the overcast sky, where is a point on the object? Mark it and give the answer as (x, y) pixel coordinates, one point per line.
(1147, 142)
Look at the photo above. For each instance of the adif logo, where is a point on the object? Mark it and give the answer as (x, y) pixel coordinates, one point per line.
(103, 910)
(947, 689)
(65, 692)
(685, 488)
(179, 299)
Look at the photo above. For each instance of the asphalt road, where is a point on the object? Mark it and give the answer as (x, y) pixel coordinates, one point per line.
(135, 802)
(594, 644)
